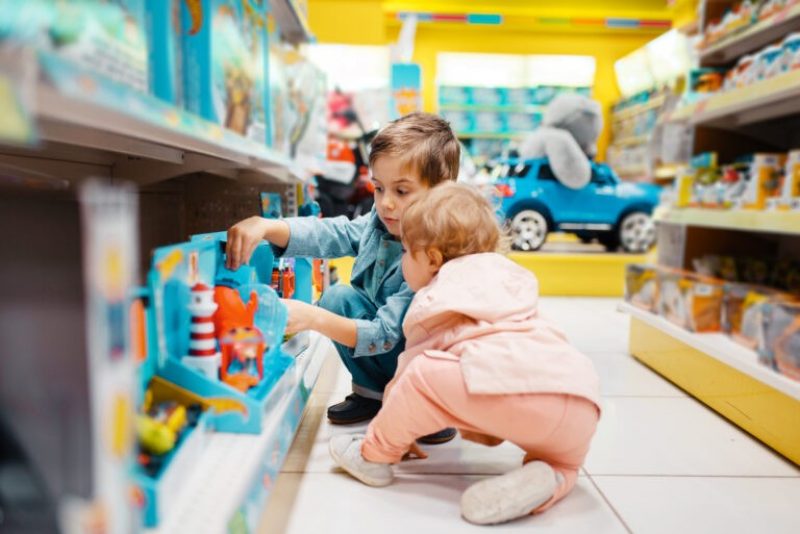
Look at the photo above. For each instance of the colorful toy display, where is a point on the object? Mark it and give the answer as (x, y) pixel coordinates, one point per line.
(755, 315)
(742, 15)
(203, 354)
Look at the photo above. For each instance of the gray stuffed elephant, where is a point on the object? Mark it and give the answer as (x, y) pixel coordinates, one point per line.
(567, 137)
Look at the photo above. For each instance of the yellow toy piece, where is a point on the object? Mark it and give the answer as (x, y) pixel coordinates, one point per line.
(154, 437)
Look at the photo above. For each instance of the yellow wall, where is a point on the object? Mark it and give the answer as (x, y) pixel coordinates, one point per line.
(371, 22)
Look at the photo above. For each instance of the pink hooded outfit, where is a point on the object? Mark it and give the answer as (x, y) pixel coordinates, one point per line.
(479, 357)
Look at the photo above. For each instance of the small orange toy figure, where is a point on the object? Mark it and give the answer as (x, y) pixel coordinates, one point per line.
(231, 311)
(242, 366)
(241, 342)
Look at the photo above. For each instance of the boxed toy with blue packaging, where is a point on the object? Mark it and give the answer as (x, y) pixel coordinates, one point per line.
(224, 63)
(105, 38)
(164, 43)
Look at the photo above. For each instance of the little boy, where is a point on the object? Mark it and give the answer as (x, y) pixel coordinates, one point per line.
(408, 157)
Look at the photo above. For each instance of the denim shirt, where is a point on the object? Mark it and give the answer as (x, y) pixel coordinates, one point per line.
(365, 239)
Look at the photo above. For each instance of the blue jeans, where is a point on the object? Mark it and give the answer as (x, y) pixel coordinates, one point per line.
(370, 373)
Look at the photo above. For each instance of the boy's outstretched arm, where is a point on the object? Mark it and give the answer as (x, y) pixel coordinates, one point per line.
(304, 316)
(244, 237)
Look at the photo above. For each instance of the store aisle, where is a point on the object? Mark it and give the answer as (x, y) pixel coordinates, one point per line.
(660, 462)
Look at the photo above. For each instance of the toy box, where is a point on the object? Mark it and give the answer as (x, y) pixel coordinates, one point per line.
(489, 122)
(689, 300)
(165, 47)
(171, 425)
(790, 194)
(742, 311)
(450, 95)
(782, 338)
(765, 181)
(641, 286)
(523, 122)
(218, 331)
(460, 121)
(224, 61)
(104, 38)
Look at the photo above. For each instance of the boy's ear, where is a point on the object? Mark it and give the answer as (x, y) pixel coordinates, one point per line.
(435, 257)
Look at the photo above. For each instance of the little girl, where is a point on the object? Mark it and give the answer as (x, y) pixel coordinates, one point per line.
(480, 358)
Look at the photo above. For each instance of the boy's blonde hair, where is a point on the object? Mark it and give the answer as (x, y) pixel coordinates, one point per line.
(424, 143)
(454, 219)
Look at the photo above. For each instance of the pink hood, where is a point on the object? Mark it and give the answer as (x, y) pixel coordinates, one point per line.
(482, 310)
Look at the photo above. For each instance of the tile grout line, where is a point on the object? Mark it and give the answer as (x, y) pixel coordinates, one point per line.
(608, 502)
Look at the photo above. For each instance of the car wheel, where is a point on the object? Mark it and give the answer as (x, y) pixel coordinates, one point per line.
(637, 232)
(528, 230)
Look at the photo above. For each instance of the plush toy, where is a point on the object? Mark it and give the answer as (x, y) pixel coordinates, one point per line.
(567, 137)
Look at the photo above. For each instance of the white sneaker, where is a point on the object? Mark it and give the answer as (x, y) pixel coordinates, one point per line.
(509, 496)
(346, 452)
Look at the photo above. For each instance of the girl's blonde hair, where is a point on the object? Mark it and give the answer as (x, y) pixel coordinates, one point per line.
(453, 219)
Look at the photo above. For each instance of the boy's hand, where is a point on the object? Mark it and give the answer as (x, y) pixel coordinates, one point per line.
(243, 238)
(301, 316)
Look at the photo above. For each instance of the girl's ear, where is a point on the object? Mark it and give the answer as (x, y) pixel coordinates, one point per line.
(435, 258)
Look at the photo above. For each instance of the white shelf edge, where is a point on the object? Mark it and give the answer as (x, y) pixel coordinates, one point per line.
(721, 348)
(208, 499)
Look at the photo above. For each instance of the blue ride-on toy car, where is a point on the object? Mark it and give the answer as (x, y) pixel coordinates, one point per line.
(614, 212)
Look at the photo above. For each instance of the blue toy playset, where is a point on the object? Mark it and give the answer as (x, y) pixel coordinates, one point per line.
(219, 332)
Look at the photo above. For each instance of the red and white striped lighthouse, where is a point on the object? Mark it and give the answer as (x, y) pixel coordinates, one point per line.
(202, 338)
(203, 354)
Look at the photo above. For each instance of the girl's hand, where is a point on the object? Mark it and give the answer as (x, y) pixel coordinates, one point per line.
(416, 452)
(302, 316)
(243, 238)
(483, 439)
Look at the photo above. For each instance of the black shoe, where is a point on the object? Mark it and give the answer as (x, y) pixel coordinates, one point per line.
(443, 436)
(353, 409)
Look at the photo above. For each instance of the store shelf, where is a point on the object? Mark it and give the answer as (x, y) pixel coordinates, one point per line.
(767, 99)
(233, 480)
(81, 118)
(781, 222)
(753, 38)
(723, 375)
(632, 111)
(722, 348)
(497, 108)
(292, 21)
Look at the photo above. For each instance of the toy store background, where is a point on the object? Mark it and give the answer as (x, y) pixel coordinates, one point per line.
(145, 387)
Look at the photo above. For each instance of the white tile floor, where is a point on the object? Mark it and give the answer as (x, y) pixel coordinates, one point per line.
(660, 462)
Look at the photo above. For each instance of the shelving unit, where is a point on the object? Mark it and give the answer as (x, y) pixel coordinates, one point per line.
(724, 375)
(632, 111)
(762, 117)
(481, 107)
(189, 176)
(144, 141)
(768, 99)
(782, 222)
(752, 38)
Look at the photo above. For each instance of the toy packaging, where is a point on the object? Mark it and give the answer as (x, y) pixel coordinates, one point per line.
(782, 338)
(689, 300)
(164, 32)
(790, 194)
(765, 180)
(641, 286)
(224, 58)
(104, 38)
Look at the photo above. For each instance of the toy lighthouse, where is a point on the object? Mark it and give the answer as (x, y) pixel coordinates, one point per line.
(203, 354)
